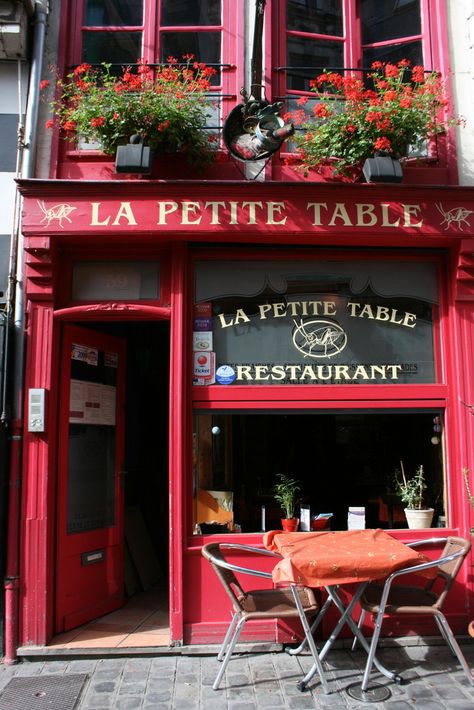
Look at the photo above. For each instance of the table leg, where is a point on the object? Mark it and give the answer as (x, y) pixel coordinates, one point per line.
(314, 626)
(309, 637)
(347, 619)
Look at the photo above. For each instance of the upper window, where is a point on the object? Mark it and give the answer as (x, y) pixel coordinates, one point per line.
(122, 31)
(348, 34)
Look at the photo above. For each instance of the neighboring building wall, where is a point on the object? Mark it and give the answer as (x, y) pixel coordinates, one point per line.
(12, 83)
(461, 36)
(9, 85)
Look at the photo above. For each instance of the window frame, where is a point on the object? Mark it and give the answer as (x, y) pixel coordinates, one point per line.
(232, 40)
(351, 396)
(435, 50)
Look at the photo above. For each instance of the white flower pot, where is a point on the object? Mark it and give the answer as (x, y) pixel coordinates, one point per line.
(419, 518)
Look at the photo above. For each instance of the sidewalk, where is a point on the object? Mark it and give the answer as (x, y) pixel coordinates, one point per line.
(255, 681)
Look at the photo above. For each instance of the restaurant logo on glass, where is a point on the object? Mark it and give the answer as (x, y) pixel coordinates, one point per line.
(335, 340)
(319, 338)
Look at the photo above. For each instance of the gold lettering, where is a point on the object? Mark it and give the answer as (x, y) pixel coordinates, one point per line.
(316, 206)
(382, 313)
(243, 372)
(320, 369)
(264, 308)
(378, 369)
(273, 207)
(190, 207)
(329, 308)
(293, 370)
(385, 217)
(366, 311)
(341, 372)
(164, 209)
(277, 310)
(409, 210)
(365, 209)
(278, 372)
(215, 211)
(95, 216)
(340, 212)
(222, 319)
(260, 371)
(308, 372)
(408, 320)
(233, 213)
(252, 210)
(395, 370)
(240, 316)
(125, 211)
(360, 371)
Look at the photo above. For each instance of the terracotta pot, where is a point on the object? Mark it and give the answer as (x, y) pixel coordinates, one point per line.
(419, 518)
(290, 524)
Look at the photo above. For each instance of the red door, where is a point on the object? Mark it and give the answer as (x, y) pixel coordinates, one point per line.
(89, 570)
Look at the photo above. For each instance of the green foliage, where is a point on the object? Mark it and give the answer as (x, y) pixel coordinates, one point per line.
(411, 490)
(350, 122)
(166, 105)
(285, 493)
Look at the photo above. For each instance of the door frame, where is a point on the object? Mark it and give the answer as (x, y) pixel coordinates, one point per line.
(177, 414)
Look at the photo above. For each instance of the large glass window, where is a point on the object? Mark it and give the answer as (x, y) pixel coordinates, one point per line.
(121, 33)
(341, 460)
(349, 34)
(318, 322)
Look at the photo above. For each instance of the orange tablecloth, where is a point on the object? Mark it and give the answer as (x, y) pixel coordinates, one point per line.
(320, 559)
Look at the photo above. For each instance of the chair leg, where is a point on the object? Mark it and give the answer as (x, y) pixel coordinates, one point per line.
(453, 644)
(373, 646)
(230, 650)
(359, 626)
(227, 637)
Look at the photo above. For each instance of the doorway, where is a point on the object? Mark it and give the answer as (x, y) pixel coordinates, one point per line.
(141, 470)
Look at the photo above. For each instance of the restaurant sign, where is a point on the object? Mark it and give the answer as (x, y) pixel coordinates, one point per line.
(318, 212)
(320, 337)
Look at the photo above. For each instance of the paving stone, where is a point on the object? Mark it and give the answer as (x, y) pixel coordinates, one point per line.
(128, 703)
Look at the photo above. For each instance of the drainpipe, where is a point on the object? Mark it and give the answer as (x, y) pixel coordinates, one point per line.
(28, 150)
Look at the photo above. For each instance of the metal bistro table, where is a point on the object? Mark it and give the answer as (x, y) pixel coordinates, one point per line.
(331, 559)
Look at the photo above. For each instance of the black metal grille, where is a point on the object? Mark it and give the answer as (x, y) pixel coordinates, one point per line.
(43, 692)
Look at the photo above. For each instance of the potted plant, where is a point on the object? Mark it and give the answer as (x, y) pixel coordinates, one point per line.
(350, 122)
(411, 492)
(165, 105)
(285, 493)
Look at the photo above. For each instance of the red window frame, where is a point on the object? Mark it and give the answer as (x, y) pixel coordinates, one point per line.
(231, 29)
(326, 398)
(433, 37)
(308, 396)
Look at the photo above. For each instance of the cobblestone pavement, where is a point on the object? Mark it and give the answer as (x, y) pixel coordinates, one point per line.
(258, 681)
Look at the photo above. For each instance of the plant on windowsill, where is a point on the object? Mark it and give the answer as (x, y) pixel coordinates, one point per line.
(351, 122)
(285, 492)
(166, 106)
(411, 492)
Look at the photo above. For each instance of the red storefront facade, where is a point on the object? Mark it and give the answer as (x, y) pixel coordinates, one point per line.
(201, 335)
(401, 235)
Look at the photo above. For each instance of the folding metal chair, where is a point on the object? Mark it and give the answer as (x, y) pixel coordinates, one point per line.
(291, 602)
(382, 599)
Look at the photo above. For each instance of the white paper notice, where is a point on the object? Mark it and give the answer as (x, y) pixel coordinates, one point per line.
(92, 403)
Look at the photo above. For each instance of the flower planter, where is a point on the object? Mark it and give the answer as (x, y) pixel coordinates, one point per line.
(419, 518)
(290, 524)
